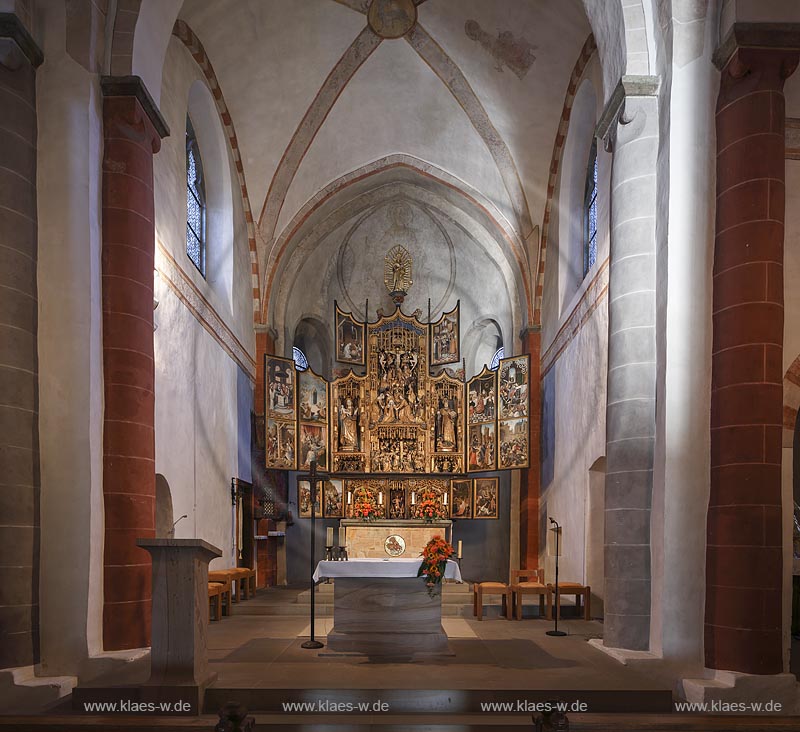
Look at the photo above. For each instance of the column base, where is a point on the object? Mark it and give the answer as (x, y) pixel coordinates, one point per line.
(729, 688)
(22, 692)
(624, 656)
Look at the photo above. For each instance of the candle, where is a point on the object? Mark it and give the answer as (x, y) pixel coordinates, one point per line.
(413, 498)
(380, 498)
(459, 548)
(349, 497)
(445, 499)
(342, 536)
(329, 536)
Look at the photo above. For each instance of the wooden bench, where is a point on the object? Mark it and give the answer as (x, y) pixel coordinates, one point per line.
(226, 596)
(242, 580)
(479, 589)
(577, 589)
(215, 590)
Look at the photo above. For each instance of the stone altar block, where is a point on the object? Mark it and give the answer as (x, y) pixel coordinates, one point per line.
(179, 654)
(382, 609)
(365, 539)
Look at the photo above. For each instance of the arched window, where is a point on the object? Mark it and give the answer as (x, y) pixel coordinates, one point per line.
(590, 212)
(300, 360)
(195, 202)
(499, 353)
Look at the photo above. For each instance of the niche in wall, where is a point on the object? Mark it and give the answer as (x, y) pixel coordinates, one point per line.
(164, 512)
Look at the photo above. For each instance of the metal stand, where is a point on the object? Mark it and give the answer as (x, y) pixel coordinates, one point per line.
(312, 479)
(557, 531)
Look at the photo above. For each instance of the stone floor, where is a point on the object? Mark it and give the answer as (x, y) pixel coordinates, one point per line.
(260, 646)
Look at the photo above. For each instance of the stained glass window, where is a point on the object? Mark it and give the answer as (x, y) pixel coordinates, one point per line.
(300, 360)
(590, 212)
(195, 202)
(499, 353)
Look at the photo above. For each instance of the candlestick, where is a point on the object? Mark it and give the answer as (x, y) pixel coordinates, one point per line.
(329, 536)
(241, 527)
(459, 548)
(341, 536)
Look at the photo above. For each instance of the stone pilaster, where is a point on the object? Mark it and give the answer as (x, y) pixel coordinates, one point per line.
(744, 556)
(19, 388)
(132, 135)
(632, 131)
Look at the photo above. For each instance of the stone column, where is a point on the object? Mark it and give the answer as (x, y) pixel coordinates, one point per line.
(19, 389)
(631, 123)
(744, 563)
(530, 483)
(133, 129)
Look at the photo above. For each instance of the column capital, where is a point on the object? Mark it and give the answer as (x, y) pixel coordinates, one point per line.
(628, 86)
(770, 37)
(11, 27)
(266, 330)
(133, 87)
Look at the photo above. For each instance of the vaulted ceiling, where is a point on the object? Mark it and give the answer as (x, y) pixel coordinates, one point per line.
(475, 89)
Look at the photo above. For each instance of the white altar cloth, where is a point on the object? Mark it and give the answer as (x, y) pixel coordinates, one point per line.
(370, 568)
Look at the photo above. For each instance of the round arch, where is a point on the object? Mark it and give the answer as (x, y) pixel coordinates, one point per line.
(382, 179)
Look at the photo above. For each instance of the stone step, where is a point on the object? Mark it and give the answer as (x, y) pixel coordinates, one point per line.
(325, 609)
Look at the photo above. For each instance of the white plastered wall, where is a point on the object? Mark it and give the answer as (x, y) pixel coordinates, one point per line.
(203, 399)
(580, 371)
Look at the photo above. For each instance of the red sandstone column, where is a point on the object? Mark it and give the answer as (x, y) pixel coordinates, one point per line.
(530, 480)
(744, 555)
(130, 139)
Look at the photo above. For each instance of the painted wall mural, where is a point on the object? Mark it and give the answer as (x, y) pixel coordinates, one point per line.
(513, 52)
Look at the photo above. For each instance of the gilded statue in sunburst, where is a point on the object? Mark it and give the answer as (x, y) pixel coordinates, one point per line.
(397, 270)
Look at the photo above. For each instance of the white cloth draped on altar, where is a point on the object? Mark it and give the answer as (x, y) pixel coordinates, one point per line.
(379, 568)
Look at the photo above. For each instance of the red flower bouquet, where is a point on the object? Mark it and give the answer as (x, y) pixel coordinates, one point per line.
(430, 507)
(434, 562)
(365, 507)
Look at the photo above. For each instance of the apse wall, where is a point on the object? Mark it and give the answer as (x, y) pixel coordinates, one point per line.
(204, 340)
(574, 358)
(346, 264)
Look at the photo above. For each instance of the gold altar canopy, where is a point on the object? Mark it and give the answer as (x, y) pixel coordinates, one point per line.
(398, 418)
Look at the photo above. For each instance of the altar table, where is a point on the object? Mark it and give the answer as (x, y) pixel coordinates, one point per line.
(381, 607)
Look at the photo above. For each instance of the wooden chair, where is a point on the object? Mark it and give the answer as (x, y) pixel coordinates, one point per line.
(521, 585)
(215, 598)
(577, 589)
(479, 589)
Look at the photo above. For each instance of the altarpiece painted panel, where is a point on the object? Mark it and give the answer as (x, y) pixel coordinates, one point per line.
(349, 337)
(445, 338)
(513, 401)
(313, 413)
(482, 419)
(281, 413)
